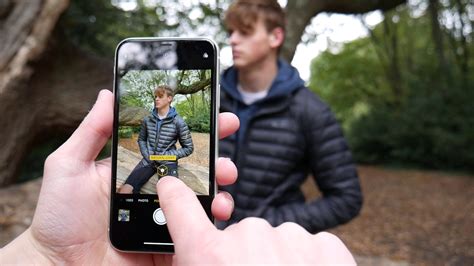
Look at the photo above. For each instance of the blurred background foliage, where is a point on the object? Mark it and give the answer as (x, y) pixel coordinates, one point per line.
(98, 26)
(404, 94)
(137, 90)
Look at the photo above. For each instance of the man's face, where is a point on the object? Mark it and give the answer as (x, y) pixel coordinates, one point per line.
(251, 48)
(162, 101)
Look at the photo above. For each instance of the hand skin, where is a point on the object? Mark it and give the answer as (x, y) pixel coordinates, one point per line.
(70, 223)
(252, 241)
(71, 219)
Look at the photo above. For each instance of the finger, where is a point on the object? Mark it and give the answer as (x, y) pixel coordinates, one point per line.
(228, 124)
(186, 219)
(94, 131)
(226, 172)
(331, 250)
(222, 206)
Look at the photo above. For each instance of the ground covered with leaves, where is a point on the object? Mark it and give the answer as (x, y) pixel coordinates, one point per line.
(419, 217)
(409, 216)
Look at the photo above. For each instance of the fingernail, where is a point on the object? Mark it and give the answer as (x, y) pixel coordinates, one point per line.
(228, 196)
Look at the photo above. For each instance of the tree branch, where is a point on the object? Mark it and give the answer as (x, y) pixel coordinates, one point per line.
(24, 36)
(300, 13)
(193, 88)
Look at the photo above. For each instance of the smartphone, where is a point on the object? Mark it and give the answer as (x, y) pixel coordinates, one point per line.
(165, 120)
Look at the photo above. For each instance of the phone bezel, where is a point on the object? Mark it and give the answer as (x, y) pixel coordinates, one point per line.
(214, 116)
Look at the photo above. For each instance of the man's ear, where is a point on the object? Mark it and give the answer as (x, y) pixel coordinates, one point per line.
(277, 35)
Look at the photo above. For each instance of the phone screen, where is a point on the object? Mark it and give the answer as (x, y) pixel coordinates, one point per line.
(164, 125)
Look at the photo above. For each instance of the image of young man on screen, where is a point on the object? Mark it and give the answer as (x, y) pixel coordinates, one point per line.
(159, 133)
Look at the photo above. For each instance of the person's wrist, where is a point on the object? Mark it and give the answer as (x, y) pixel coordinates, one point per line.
(25, 250)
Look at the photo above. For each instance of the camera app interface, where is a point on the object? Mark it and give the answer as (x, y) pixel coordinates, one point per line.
(164, 119)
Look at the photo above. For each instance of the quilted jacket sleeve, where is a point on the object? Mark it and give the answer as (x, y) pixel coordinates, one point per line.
(142, 141)
(332, 166)
(185, 140)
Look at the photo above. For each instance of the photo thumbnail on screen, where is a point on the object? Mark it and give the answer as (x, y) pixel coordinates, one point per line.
(164, 127)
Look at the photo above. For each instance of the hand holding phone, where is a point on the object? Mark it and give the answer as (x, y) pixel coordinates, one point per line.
(252, 241)
(69, 225)
(166, 102)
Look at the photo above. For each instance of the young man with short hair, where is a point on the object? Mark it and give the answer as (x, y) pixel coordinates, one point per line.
(285, 130)
(159, 133)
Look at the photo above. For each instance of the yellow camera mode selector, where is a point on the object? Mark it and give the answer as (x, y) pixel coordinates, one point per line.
(163, 157)
(162, 170)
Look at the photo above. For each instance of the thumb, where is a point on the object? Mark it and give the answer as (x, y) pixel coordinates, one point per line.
(186, 219)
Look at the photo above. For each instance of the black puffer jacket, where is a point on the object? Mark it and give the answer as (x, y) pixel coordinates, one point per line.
(282, 138)
(159, 137)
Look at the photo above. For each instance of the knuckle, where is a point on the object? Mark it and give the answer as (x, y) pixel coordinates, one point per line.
(293, 232)
(328, 238)
(293, 227)
(51, 160)
(254, 222)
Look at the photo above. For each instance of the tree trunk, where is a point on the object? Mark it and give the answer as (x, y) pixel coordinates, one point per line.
(300, 12)
(386, 49)
(47, 85)
(463, 55)
(443, 67)
(394, 74)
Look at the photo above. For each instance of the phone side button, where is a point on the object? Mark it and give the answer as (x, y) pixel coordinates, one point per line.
(159, 217)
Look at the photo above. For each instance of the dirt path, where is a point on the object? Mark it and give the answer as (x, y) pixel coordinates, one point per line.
(421, 217)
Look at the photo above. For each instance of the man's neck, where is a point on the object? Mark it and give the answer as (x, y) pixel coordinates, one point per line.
(163, 111)
(258, 77)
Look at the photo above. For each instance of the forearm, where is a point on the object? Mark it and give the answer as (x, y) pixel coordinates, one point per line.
(24, 250)
(186, 142)
(186, 149)
(143, 149)
(342, 196)
(142, 141)
(310, 217)
(332, 211)
(335, 174)
(318, 215)
(180, 153)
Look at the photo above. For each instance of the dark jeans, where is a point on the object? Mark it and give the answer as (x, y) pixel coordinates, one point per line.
(142, 173)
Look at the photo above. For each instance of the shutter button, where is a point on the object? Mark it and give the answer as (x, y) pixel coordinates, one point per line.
(159, 217)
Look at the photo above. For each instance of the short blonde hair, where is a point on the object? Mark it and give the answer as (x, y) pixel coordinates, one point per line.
(243, 14)
(163, 89)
